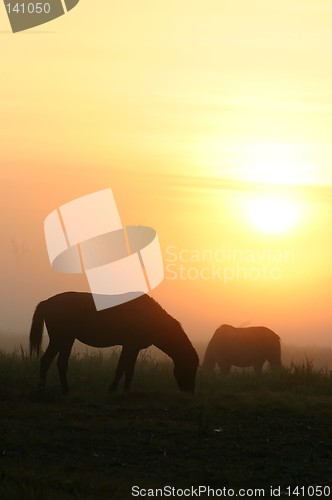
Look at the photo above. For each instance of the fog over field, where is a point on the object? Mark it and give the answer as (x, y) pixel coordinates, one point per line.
(319, 356)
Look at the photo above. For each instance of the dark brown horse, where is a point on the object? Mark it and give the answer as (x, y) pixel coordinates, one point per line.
(242, 347)
(135, 325)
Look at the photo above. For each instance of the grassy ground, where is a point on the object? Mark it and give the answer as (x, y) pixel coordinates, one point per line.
(239, 432)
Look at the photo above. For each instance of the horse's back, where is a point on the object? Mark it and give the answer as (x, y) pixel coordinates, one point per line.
(248, 334)
(138, 321)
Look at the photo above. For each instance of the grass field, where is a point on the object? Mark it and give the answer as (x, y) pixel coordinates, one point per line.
(238, 432)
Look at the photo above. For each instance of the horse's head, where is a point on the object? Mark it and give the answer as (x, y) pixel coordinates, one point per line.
(173, 341)
(185, 371)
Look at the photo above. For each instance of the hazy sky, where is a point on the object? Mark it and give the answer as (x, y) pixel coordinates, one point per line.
(192, 112)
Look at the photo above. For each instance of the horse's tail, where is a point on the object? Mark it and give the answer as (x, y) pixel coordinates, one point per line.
(209, 362)
(36, 332)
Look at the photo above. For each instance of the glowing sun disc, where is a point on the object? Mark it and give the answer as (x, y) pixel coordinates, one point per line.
(272, 215)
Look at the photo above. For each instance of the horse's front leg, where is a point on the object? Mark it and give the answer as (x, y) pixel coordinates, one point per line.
(126, 364)
(131, 361)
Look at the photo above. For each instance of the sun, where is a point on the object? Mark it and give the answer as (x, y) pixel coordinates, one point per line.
(271, 214)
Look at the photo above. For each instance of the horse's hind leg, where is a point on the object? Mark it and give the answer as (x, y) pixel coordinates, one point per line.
(45, 362)
(62, 364)
(126, 364)
(275, 360)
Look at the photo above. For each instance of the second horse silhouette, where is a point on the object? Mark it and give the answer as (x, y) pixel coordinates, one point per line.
(135, 325)
(242, 347)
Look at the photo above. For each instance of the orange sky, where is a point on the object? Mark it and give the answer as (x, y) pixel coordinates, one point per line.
(187, 112)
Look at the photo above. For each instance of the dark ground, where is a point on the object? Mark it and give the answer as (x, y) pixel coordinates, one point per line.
(243, 434)
(83, 449)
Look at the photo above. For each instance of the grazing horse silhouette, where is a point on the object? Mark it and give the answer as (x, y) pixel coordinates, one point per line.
(242, 347)
(135, 325)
